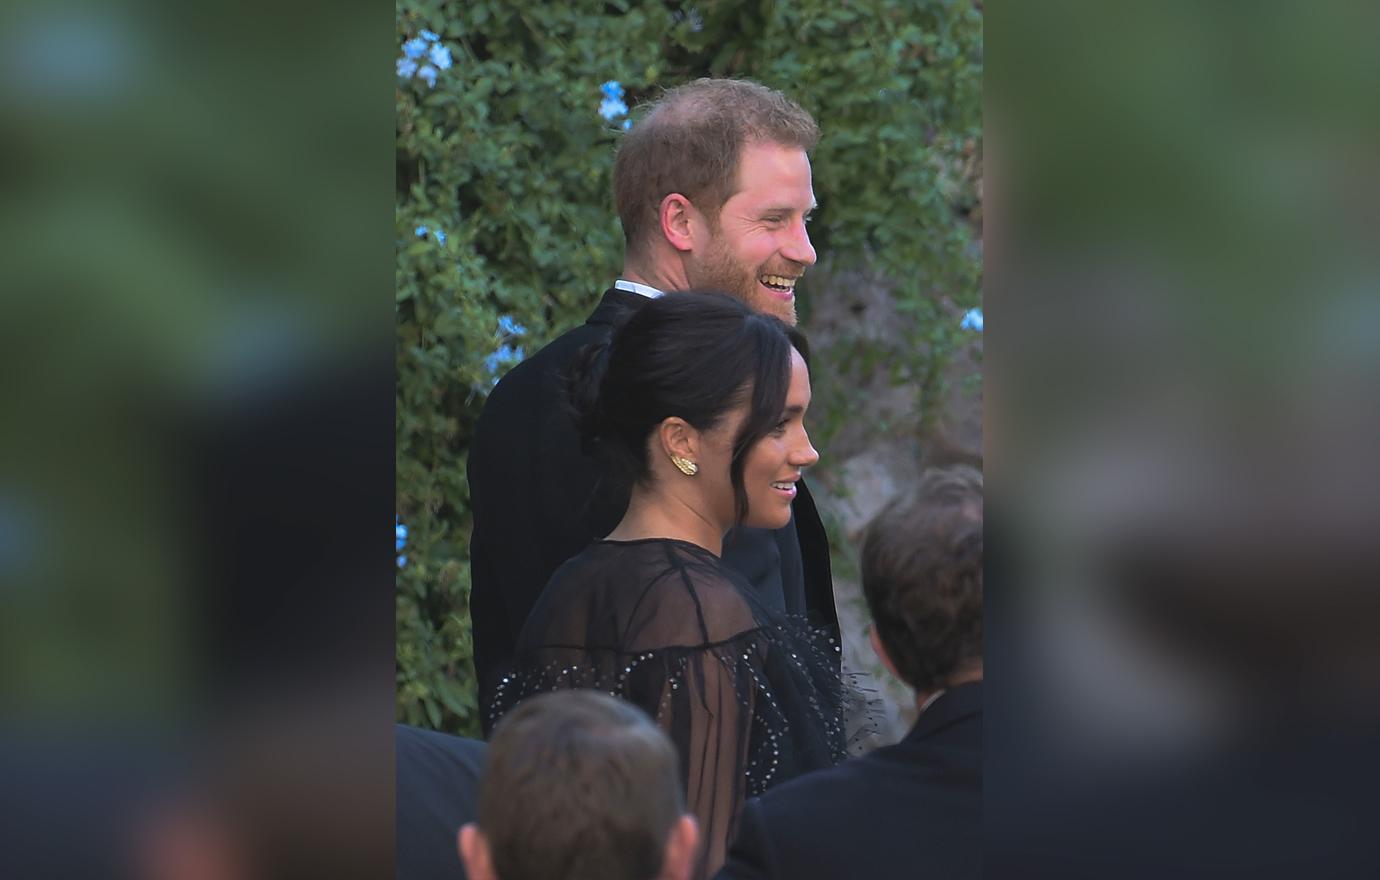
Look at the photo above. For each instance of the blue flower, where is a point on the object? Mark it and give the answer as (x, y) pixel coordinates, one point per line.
(508, 327)
(402, 560)
(428, 73)
(506, 354)
(400, 536)
(612, 89)
(414, 48)
(440, 236)
(972, 320)
(428, 35)
(421, 231)
(406, 67)
(439, 56)
(611, 107)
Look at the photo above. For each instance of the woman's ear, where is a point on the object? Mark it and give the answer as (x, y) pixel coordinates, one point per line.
(677, 438)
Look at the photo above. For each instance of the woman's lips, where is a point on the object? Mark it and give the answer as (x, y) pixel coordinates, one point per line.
(785, 487)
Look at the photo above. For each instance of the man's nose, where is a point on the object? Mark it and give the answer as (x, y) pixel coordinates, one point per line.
(798, 249)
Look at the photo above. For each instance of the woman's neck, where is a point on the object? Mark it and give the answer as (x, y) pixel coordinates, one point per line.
(663, 515)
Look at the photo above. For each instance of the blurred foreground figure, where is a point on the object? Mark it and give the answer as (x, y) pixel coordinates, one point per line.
(913, 809)
(579, 786)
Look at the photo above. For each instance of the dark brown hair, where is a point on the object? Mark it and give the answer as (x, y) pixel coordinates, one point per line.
(690, 142)
(922, 577)
(692, 354)
(579, 785)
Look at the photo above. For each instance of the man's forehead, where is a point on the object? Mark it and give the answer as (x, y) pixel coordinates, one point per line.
(755, 149)
(766, 197)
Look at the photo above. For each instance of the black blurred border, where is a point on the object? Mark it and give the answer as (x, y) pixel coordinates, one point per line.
(1181, 341)
(197, 258)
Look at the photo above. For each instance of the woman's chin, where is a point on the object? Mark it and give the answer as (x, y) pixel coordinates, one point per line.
(779, 521)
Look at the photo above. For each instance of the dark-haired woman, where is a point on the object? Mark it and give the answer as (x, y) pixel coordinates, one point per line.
(700, 402)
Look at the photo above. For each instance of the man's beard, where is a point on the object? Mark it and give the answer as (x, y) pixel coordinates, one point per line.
(720, 271)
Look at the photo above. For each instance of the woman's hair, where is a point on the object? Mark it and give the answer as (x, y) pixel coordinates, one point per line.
(696, 355)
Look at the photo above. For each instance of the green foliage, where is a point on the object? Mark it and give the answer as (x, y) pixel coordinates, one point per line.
(510, 158)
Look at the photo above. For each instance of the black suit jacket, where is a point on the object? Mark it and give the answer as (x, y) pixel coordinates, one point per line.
(539, 500)
(437, 791)
(912, 810)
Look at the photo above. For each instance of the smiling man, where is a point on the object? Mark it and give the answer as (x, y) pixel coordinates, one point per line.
(757, 247)
(713, 190)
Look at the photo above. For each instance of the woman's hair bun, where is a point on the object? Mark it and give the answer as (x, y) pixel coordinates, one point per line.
(584, 381)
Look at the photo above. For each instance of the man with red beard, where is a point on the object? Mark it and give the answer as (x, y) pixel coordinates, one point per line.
(713, 189)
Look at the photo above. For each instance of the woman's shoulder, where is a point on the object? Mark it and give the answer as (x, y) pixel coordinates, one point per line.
(690, 597)
(669, 559)
(650, 557)
(642, 560)
(643, 594)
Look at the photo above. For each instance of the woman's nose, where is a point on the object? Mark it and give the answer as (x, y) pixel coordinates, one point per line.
(805, 454)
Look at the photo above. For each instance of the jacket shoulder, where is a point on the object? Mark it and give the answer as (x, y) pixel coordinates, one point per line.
(547, 364)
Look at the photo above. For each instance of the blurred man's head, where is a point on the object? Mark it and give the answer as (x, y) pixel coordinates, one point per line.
(579, 786)
(713, 189)
(922, 576)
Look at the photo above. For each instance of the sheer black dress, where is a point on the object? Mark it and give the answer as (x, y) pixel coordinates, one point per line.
(749, 697)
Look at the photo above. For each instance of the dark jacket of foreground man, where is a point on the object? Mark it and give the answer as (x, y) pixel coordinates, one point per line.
(436, 791)
(905, 811)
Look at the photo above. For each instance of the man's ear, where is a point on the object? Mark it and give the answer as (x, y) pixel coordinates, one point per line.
(681, 847)
(676, 436)
(474, 853)
(880, 649)
(679, 222)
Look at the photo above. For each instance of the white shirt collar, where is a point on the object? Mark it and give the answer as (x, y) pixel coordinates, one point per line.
(930, 701)
(634, 287)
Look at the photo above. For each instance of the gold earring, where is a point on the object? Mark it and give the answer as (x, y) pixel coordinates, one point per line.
(685, 465)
